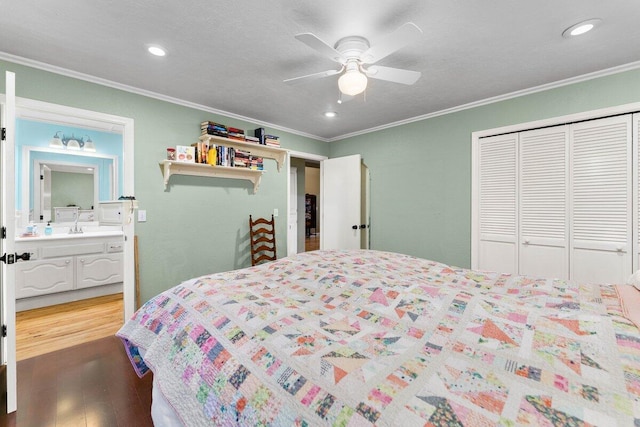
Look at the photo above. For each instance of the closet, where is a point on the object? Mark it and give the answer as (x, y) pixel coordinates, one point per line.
(559, 201)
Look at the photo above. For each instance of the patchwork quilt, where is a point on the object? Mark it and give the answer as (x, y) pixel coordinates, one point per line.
(376, 338)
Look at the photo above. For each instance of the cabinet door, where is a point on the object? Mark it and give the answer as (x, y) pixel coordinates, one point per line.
(544, 225)
(498, 208)
(96, 270)
(601, 200)
(43, 277)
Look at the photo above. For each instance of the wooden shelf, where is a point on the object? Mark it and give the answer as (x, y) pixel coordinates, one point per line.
(275, 153)
(170, 167)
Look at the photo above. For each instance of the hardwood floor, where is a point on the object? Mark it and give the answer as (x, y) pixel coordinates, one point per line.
(47, 329)
(91, 384)
(312, 243)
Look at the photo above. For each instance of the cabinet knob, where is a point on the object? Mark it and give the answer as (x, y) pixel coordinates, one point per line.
(67, 261)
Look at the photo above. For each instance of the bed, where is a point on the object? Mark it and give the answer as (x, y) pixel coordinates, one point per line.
(367, 337)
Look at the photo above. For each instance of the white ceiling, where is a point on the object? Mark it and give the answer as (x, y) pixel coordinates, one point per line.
(232, 56)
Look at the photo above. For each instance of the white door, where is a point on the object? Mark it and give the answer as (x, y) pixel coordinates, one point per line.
(7, 176)
(601, 200)
(292, 232)
(340, 187)
(498, 211)
(543, 203)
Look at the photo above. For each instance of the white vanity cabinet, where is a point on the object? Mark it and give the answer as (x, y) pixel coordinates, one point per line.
(67, 268)
(97, 270)
(44, 277)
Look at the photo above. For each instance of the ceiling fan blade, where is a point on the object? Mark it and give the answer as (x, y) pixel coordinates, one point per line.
(400, 38)
(396, 75)
(310, 77)
(321, 46)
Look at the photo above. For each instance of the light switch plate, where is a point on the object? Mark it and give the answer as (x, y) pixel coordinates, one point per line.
(142, 215)
(275, 212)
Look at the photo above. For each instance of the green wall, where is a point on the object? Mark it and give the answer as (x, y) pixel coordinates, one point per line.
(199, 225)
(421, 172)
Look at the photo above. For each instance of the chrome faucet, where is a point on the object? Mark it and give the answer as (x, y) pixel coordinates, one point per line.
(75, 229)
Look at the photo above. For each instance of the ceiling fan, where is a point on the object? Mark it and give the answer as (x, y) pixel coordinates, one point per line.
(356, 57)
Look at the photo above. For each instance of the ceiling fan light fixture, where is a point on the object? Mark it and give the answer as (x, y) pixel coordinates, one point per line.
(352, 82)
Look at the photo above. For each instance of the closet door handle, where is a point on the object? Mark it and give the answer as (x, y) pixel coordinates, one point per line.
(355, 227)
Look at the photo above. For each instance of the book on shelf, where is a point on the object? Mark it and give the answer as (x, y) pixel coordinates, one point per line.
(213, 128)
(252, 139)
(201, 151)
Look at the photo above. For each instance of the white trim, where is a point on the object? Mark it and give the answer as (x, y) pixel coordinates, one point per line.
(499, 98)
(635, 181)
(149, 94)
(32, 109)
(305, 156)
(115, 85)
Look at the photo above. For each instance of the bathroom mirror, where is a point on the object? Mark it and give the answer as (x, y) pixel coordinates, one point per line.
(59, 177)
(61, 185)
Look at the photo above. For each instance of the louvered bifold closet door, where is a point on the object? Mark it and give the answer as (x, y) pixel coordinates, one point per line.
(601, 200)
(497, 199)
(543, 202)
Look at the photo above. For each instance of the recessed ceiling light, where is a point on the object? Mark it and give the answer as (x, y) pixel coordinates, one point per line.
(156, 50)
(581, 28)
(330, 114)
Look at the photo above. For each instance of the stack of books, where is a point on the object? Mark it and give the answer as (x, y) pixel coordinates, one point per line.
(253, 139)
(256, 163)
(213, 128)
(272, 140)
(242, 158)
(235, 133)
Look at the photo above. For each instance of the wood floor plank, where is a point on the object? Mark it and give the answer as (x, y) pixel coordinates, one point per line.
(89, 385)
(56, 327)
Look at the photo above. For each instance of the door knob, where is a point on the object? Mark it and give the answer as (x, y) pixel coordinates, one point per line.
(355, 227)
(363, 226)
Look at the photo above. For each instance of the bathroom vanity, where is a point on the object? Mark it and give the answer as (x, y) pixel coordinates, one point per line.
(65, 267)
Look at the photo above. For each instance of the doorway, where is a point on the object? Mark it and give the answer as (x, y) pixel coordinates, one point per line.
(111, 161)
(306, 228)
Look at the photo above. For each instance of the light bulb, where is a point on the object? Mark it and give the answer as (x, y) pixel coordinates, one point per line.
(352, 82)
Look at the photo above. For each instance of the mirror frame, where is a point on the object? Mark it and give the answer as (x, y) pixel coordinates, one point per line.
(27, 165)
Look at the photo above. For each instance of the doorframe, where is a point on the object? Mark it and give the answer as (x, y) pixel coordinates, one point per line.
(304, 156)
(45, 111)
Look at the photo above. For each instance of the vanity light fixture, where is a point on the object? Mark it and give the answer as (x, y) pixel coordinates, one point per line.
(581, 28)
(72, 143)
(89, 145)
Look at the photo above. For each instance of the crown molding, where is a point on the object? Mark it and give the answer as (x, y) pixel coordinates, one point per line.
(572, 80)
(146, 93)
(115, 85)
